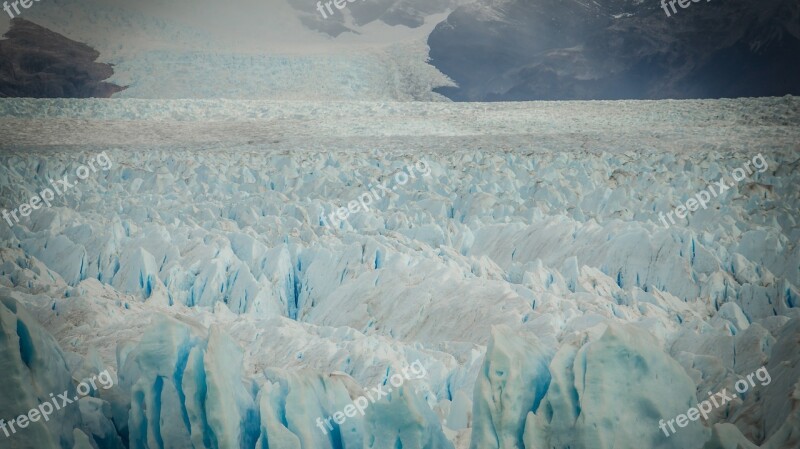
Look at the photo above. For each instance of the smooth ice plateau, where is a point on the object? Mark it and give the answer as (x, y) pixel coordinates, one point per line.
(528, 272)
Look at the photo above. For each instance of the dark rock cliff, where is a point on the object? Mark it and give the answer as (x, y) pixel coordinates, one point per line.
(619, 49)
(38, 63)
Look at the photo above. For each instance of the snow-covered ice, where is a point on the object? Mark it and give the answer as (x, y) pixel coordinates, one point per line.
(529, 273)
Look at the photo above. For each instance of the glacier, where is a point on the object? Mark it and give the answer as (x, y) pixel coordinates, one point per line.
(529, 273)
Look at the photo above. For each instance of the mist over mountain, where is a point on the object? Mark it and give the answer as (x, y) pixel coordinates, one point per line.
(618, 49)
(357, 13)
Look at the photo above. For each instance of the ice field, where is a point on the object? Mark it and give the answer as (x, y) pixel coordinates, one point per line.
(523, 263)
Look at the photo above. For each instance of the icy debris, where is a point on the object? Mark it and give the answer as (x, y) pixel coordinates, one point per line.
(98, 423)
(209, 221)
(34, 372)
(582, 407)
(138, 273)
(183, 388)
(404, 419)
(513, 381)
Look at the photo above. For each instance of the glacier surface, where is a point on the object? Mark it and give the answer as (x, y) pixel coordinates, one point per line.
(528, 272)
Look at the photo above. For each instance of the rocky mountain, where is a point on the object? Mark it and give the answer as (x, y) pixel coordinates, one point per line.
(618, 49)
(39, 63)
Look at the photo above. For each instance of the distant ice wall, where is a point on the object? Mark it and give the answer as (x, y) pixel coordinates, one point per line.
(399, 73)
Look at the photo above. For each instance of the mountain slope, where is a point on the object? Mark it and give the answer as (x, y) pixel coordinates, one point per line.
(36, 62)
(613, 49)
